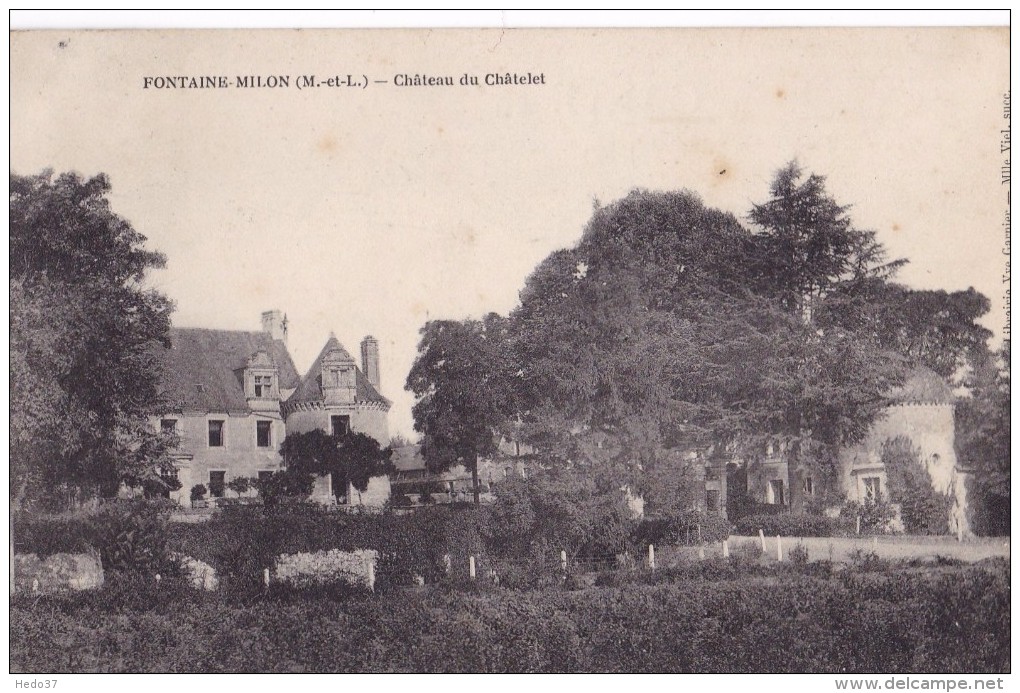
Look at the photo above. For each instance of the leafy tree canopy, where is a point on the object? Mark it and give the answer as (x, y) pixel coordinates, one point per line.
(464, 381)
(672, 325)
(983, 440)
(84, 330)
(351, 457)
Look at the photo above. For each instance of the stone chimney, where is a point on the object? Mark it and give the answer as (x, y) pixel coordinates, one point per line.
(274, 323)
(370, 360)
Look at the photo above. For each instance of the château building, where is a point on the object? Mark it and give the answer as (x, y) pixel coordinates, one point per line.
(236, 394)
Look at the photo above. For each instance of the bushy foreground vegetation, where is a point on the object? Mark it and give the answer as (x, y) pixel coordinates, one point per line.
(519, 538)
(738, 617)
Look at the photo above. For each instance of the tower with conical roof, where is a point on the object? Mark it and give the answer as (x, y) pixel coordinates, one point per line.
(336, 396)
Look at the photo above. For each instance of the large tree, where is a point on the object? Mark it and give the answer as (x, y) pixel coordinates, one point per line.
(821, 274)
(983, 440)
(672, 326)
(463, 379)
(85, 338)
(619, 336)
(351, 458)
(933, 328)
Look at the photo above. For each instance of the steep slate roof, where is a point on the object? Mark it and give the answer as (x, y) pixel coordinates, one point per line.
(923, 385)
(310, 389)
(212, 359)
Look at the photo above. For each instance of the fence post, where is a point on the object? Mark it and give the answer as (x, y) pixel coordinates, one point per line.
(725, 548)
(447, 563)
(563, 560)
(471, 567)
(701, 553)
(761, 534)
(779, 548)
(371, 573)
(265, 577)
(651, 556)
(858, 524)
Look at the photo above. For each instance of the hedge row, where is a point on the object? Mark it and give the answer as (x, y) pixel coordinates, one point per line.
(689, 528)
(936, 620)
(241, 542)
(790, 525)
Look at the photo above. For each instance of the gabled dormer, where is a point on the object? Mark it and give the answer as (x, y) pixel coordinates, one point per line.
(261, 378)
(339, 376)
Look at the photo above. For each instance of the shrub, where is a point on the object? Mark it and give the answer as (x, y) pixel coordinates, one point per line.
(694, 528)
(134, 539)
(198, 492)
(288, 484)
(799, 555)
(687, 528)
(45, 536)
(789, 525)
(867, 561)
(241, 484)
(746, 554)
(400, 500)
(556, 511)
(242, 541)
(923, 510)
(156, 487)
(876, 516)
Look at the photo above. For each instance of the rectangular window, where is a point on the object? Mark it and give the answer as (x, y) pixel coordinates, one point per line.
(340, 425)
(809, 486)
(263, 386)
(168, 426)
(216, 434)
(217, 483)
(263, 434)
(873, 488)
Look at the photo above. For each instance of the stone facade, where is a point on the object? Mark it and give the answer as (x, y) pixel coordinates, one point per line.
(238, 395)
(923, 411)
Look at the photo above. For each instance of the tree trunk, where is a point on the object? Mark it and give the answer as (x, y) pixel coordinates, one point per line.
(474, 481)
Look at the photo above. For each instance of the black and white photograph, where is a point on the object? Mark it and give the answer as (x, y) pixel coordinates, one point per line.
(511, 349)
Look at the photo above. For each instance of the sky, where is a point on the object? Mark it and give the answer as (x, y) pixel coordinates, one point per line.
(368, 210)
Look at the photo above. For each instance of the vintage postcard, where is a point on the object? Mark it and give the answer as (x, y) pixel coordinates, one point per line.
(511, 350)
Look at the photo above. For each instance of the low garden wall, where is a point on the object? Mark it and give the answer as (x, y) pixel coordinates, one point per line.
(61, 572)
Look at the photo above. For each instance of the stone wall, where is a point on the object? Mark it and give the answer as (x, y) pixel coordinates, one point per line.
(308, 569)
(239, 456)
(61, 572)
(368, 419)
(930, 427)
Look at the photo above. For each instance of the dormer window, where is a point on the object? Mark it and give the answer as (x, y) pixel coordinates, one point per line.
(260, 377)
(263, 386)
(338, 377)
